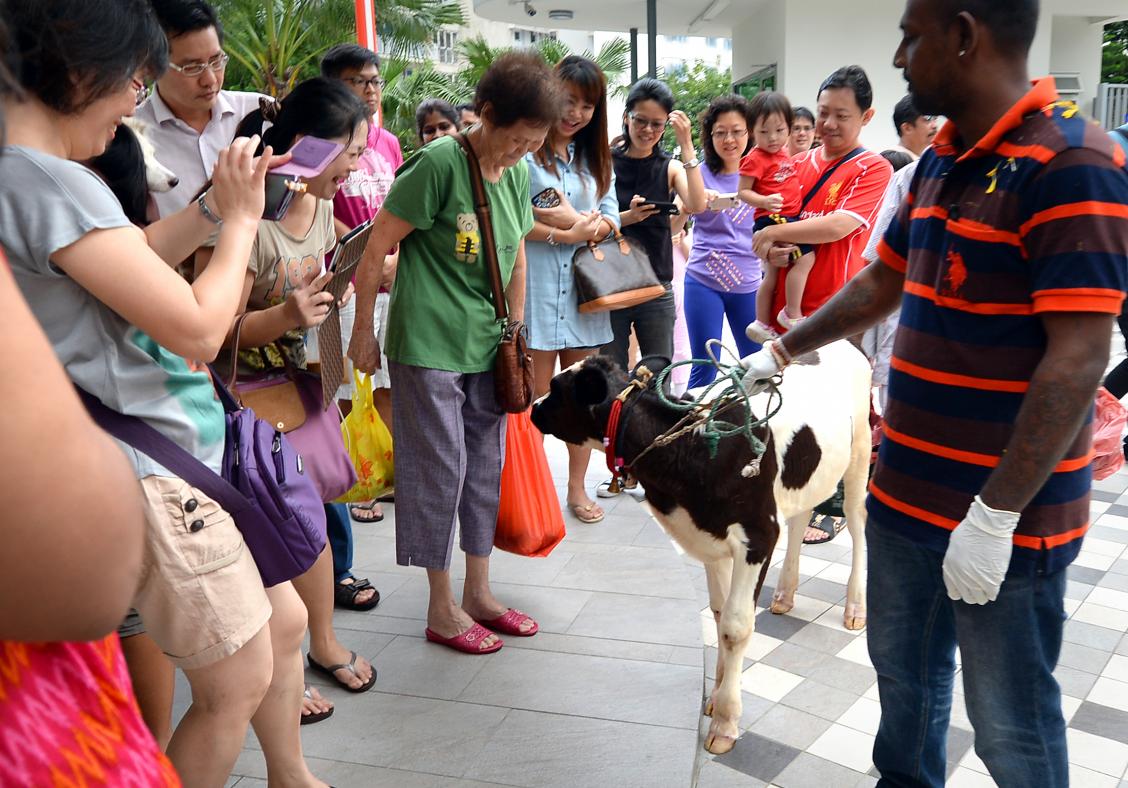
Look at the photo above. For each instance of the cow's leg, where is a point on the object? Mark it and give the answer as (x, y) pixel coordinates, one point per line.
(784, 597)
(718, 574)
(738, 620)
(854, 482)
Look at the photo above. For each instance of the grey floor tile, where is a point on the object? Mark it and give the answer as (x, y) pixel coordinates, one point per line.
(845, 675)
(824, 639)
(1106, 496)
(413, 666)
(554, 608)
(791, 726)
(409, 600)
(366, 644)
(613, 689)
(826, 590)
(1118, 508)
(795, 659)
(652, 535)
(673, 622)
(1120, 567)
(1114, 581)
(959, 742)
(508, 568)
(1077, 591)
(809, 771)
(595, 647)
(658, 575)
(818, 699)
(1084, 574)
(1122, 647)
(1108, 534)
(1074, 683)
(1101, 721)
(687, 655)
(780, 627)
(1090, 660)
(541, 750)
(344, 774)
(758, 756)
(611, 531)
(1090, 635)
(752, 707)
(716, 774)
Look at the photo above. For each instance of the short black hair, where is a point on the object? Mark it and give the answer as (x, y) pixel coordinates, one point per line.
(803, 112)
(898, 158)
(1012, 22)
(854, 78)
(346, 57)
(519, 86)
(708, 118)
(317, 107)
(467, 107)
(905, 112)
(430, 106)
(70, 53)
(646, 89)
(770, 102)
(180, 17)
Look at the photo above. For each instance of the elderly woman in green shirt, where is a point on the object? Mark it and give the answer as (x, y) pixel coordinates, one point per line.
(442, 338)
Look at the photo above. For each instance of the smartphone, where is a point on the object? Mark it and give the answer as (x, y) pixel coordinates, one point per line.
(667, 208)
(723, 201)
(549, 198)
(308, 158)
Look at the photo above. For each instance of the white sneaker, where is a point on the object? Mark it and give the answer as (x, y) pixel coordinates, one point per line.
(787, 321)
(612, 487)
(760, 332)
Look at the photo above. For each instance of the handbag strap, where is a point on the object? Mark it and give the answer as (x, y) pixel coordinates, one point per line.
(485, 227)
(826, 176)
(147, 440)
(233, 378)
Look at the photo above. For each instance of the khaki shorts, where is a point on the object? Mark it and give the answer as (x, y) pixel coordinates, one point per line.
(200, 595)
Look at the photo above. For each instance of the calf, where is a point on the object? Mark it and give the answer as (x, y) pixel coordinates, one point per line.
(718, 509)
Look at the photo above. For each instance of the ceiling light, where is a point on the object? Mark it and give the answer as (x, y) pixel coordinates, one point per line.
(560, 14)
(714, 9)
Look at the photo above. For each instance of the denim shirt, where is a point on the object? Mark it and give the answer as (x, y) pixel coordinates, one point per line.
(550, 291)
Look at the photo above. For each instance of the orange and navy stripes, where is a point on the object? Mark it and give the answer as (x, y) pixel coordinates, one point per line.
(1030, 220)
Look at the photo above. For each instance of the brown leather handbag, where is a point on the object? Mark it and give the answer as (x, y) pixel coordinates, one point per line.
(274, 399)
(513, 367)
(613, 274)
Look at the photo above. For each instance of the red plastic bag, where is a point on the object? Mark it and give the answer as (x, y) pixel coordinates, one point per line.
(529, 520)
(1108, 431)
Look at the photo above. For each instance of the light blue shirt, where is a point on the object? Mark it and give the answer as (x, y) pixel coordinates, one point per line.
(551, 311)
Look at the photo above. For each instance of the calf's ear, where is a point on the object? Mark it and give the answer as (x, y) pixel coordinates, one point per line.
(591, 386)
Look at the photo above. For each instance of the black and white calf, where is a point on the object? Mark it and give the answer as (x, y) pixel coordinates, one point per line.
(727, 520)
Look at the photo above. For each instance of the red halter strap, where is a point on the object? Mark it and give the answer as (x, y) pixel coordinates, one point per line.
(611, 435)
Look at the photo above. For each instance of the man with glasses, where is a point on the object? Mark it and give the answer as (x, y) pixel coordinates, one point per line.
(190, 117)
(915, 130)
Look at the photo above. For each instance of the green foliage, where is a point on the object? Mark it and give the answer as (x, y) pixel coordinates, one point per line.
(1114, 57)
(406, 87)
(695, 87)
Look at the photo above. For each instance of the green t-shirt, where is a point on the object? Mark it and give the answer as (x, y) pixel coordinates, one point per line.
(441, 314)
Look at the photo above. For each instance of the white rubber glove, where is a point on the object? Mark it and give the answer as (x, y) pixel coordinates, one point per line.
(759, 366)
(979, 553)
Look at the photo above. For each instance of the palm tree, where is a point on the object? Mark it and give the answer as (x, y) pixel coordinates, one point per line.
(406, 86)
(613, 58)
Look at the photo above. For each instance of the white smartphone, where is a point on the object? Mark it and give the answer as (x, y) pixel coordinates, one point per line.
(724, 201)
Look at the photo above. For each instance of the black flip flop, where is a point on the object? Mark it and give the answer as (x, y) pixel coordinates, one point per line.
(356, 508)
(310, 719)
(350, 666)
(827, 526)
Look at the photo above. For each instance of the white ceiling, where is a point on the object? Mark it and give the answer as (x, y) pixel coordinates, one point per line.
(675, 17)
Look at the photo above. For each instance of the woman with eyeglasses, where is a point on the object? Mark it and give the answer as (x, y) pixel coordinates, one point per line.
(722, 274)
(645, 174)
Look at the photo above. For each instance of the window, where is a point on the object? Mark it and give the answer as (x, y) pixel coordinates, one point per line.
(446, 42)
(711, 42)
(757, 82)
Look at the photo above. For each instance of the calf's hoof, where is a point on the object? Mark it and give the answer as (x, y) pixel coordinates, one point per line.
(855, 617)
(709, 708)
(782, 603)
(721, 738)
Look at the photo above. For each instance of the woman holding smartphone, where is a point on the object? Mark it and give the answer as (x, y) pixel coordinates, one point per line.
(572, 188)
(722, 273)
(645, 174)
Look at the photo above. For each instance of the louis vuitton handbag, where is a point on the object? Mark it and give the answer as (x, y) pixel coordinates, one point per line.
(613, 274)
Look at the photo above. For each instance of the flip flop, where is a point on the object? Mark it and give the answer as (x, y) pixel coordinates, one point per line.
(509, 623)
(309, 719)
(466, 642)
(356, 509)
(830, 526)
(330, 671)
(586, 514)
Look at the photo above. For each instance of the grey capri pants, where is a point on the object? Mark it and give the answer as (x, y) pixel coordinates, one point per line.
(449, 438)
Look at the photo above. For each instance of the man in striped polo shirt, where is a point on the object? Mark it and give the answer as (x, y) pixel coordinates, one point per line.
(1009, 258)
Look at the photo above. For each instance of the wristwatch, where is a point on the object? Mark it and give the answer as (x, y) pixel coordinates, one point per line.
(210, 215)
(694, 162)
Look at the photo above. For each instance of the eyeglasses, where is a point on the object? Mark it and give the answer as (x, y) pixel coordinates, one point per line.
(645, 123)
(215, 63)
(140, 88)
(734, 134)
(371, 82)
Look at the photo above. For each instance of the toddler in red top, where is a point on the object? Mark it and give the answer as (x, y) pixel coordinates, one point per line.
(769, 182)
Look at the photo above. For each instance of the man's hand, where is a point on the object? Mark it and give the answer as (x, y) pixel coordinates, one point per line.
(364, 350)
(979, 553)
(763, 240)
(758, 367)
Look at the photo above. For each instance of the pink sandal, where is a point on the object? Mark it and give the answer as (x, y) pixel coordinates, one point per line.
(467, 642)
(509, 623)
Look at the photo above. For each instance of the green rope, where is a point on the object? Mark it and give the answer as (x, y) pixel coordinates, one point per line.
(731, 391)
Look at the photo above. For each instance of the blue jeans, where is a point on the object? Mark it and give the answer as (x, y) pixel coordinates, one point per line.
(1009, 648)
(705, 308)
(653, 324)
(338, 527)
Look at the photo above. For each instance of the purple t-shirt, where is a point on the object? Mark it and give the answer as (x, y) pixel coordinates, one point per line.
(722, 255)
(362, 194)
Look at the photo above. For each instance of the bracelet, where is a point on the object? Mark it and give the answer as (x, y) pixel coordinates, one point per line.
(692, 163)
(207, 212)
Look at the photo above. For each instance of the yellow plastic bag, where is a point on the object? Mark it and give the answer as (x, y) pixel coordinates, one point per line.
(369, 444)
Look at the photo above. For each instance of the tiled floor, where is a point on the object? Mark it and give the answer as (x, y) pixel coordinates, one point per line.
(609, 693)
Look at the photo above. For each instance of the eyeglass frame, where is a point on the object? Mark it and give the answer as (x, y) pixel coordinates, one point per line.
(647, 123)
(377, 81)
(736, 134)
(216, 63)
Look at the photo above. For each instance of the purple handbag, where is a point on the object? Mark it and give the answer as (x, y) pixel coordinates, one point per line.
(264, 486)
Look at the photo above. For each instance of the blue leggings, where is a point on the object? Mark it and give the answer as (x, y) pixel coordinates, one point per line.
(339, 531)
(704, 309)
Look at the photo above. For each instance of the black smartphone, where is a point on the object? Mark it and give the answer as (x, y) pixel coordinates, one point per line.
(667, 208)
(280, 190)
(549, 198)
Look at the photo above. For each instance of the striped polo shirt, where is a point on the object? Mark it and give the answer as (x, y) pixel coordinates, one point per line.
(1032, 219)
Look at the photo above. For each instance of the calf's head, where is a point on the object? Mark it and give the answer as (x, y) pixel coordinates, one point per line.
(572, 410)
